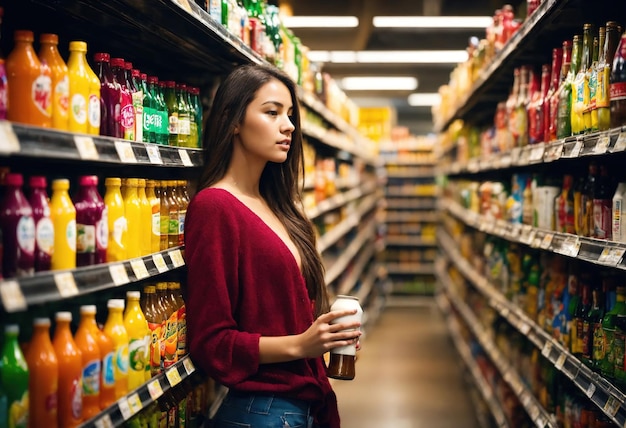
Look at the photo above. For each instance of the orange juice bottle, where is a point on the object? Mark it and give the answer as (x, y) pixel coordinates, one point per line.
(30, 84)
(70, 359)
(155, 206)
(107, 373)
(43, 383)
(170, 337)
(114, 328)
(80, 81)
(91, 364)
(63, 215)
(155, 319)
(132, 211)
(176, 297)
(49, 53)
(138, 340)
(93, 103)
(116, 250)
(180, 190)
(145, 219)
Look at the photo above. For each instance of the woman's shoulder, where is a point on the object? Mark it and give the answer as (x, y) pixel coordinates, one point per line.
(213, 198)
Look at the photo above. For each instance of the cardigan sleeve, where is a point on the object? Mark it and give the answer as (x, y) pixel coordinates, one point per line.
(211, 250)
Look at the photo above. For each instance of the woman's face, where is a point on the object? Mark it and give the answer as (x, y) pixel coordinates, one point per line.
(266, 128)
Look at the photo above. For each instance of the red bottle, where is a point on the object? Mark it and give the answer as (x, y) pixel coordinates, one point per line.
(44, 229)
(127, 111)
(557, 59)
(92, 231)
(535, 110)
(110, 95)
(554, 99)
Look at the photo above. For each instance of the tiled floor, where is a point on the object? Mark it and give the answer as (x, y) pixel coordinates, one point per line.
(408, 375)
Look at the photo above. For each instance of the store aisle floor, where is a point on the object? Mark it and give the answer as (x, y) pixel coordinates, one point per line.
(408, 375)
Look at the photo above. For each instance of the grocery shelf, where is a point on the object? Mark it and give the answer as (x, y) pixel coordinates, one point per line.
(20, 293)
(410, 162)
(410, 268)
(600, 391)
(401, 193)
(340, 199)
(134, 402)
(367, 285)
(410, 241)
(410, 173)
(361, 263)
(407, 216)
(365, 235)
(403, 203)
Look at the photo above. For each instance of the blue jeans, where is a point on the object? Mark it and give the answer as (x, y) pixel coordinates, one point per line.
(250, 410)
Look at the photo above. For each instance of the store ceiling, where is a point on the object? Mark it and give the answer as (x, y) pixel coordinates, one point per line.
(368, 37)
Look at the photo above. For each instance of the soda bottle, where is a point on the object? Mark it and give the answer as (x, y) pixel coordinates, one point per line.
(549, 130)
(80, 81)
(172, 109)
(155, 319)
(49, 53)
(605, 62)
(18, 230)
(63, 216)
(29, 82)
(70, 359)
(578, 84)
(43, 381)
(92, 226)
(149, 112)
(177, 191)
(110, 98)
(184, 119)
(161, 186)
(136, 93)
(193, 119)
(155, 222)
(114, 328)
(14, 378)
(91, 363)
(145, 220)
(132, 211)
(158, 126)
(163, 122)
(564, 113)
(197, 111)
(116, 249)
(618, 85)
(44, 229)
(139, 338)
(181, 338)
(107, 372)
(602, 206)
(127, 111)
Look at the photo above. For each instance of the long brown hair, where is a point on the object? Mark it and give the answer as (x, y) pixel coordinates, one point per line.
(279, 184)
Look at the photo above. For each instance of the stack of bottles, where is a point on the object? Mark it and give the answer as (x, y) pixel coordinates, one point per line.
(135, 218)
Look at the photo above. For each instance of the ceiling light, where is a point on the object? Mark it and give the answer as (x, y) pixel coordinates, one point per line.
(321, 21)
(432, 21)
(396, 57)
(424, 99)
(382, 83)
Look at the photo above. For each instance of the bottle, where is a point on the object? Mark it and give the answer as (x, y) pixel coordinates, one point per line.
(602, 206)
(145, 220)
(70, 360)
(193, 119)
(44, 228)
(155, 319)
(139, 337)
(63, 216)
(179, 192)
(590, 114)
(618, 85)
(585, 225)
(110, 98)
(172, 109)
(116, 249)
(43, 381)
(163, 122)
(173, 237)
(155, 210)
(538, 89)
(181, 335)
(578, 84)
(94, 106)
(197, 108)
(619, 344)
(29, 83)
(607, 365)
(49, 54)
(566, 63)
(14, 378)
(91, 362)
(92, 225)
(184, 119)
(149, 112)
(619, 209)
(80, 82)
(169, 346)
(582, 308)
(605, 63)
(18, 230)
(164, 210)
(564, 113)
(342, 359)
(521, 108)
(557, 57)
(511, 104)
(160, 127)
(565, 206)
(114, 328)
(132, 212)
(136, 93)
(127, 111)
(107, 372)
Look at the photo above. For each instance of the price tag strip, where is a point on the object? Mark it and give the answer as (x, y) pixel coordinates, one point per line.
(12, 297)
(173, 376)
(139, 269)
(86, 147)
(65, 284)
(118, 274)
(154, 154)
(125, 152)
(159, 262)
(9, 143)
(177, 258)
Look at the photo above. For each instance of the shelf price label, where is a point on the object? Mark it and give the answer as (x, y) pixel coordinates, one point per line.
(173, 376)
(578, 147)
(118, 274)
(189, 367)
(124, 407)
(560, 362)
(602, 144)
(620, 144)
(159, 262)
(570, 246)
(139, 268)
(547, 348)
(12, 297)
(154, 154)
(86, 147)
(590, 390)
(104, 422)
(125, 152)
(536, 153)
(611, 255)
(177, 258)
(547, 241)
(554, 152)
(184, 157)
(154, 389)
(9, 143)
(611, 406)
(65, 284)
(134, 403)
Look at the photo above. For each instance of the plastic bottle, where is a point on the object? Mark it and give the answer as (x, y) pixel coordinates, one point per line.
(136, 92)
(91, 363)
(92, 227)
(181, 337)
(149, 111)
(172, 108)
(49, 53)
(44, 229)
(30, 84)
(80, 81)
(114, 328)
(173, 229)
(107, 373)
(70, 359)
(116, 249)
(94, 106)
(162, 122)
(110, 95)
(619, 209)
(132, 211)
(18, 230)
(155, 208)
(127, 111)
(170, 339)
(145, 220)
(14, 378)
(155, 319)
(63, 216)
(43, 382)
(139, 339)
(184, 119)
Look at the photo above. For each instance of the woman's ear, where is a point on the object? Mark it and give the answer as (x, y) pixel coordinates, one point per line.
(236, 130)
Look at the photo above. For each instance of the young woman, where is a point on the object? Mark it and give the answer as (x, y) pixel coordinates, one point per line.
(257, 305)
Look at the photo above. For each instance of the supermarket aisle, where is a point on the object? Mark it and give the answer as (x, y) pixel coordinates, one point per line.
(408, 375)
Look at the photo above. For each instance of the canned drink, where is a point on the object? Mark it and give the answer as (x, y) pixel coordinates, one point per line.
(342, 359)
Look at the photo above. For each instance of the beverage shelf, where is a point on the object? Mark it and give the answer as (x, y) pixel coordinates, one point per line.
(411, 173)
(364, 237)
(600, 391)
(410, 268)
(359, 267)
(393, 192)
(20, 293)
(416, 204)
(403, 216)
(410, 241)
(340, 200)
(399, 161)
(118, 413)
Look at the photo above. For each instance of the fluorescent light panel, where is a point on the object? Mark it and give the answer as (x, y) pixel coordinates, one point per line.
(321, 21)
(424, 100)
(395, 57)
(432, 21)
(379, 83)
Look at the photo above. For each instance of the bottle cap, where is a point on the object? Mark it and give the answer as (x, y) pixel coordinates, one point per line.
(133, 295)
(49, 38)
(135, 73)
(132, 182)
(12, 329)
(63, 316)
(153, 79)
(23, 36)
(88, 309)
(78, 46)
(150, 183)
(115, 304)
(181, 86)
(88, 180)
(170, 84)
(102, 57)
(149, 289)
(13, 179)
(144, 76)
(41, 322)
(128, 65)
(37, 181)
(117, 62)
(141, 182)
(113, 181)
(61, 184)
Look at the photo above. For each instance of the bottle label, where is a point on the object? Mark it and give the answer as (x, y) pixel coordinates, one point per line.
(121, 359)
(184, 126)
(602, 218)
(42, 94)
(85, 238)
(156, 224)
(170, 355)
(598, 342)
(62, 95)
(618, 350)
(119, 227)
(173, 124)
(108, 370)
(137, 354)
(173, 223)
(617, 219)
(44, 235)
(18, 412)
(609, 361)
(618, 91)
(93, 111)
(79, 108)
(181, 339)
(592, 87)
(91, 378)
(70, 233)
(602, 92)
(148, 122)
(165, 225)
(102, 231)
(162, 124)
(181, 221)
(26, 234)
(77, 399)
(127, 120)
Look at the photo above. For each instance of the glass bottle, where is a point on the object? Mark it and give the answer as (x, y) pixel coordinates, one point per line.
(173, 205)
(605, 63)
(511, 104)
(578, 85)
(172, 108)
(193, 125)
(164, 114)
(602, 206)
(618, 85)
(110, 96)
(607, 365)
(584, 206)
(155, 209)
(551, 102)
(149, 112)
(521, 108)
(127, 111)
(136, 93)
(157, 124)
(582, 308)
(564, 110)
(154, 317)
(184, 120)
(590, 115)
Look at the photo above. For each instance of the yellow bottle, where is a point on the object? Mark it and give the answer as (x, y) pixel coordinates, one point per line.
(132, 211)
(116, 250)
(155, 206)
(115, 330)
(49, 53)
(93, 103)
(138, 340)
(63, 215)
(145, 218)
(80, 80)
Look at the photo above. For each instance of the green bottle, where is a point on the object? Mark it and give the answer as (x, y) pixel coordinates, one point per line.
(607, 365)
(591, 322)
(14, 378)
(193, 125)
(163, 133)
(149, 135)
(564, 110)
(184, 122)
(619, 341)
(172, 109)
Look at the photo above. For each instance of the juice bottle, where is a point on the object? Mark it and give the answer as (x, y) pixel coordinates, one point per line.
(173, 229)
(184, 120)
(145, 220)
(70, 359)
(44, 229)
(63, 216)
(30, 84)
(110, 95)
(139, 338)
(163, 303)
(43, 381)
(14, 378)
(181, 338)
(80, 81)
(93, 104)
(132, 211)
(155, 319)
(164, 210)
(127, 111)
(136, 92)
(172, 108)
(91, 363)
(107, 372)
(114, 328)
(170, 341)
(116, 249)
(182, 209)
(49, 53)
(155, 210)
(92, 228)
(18, 230)
(3, 81)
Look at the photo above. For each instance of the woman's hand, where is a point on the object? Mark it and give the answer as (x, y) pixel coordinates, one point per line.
(323, 336)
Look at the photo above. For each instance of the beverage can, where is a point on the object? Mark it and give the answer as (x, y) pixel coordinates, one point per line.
(342, 358)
